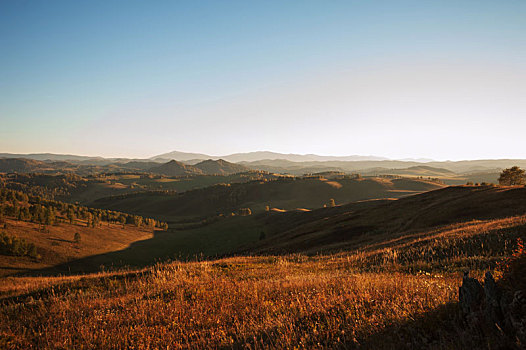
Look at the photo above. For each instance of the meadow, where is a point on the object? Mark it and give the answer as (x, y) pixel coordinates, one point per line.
(247, 302)
(398, 294)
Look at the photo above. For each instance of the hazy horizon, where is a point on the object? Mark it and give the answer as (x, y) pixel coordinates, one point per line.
(405, 79)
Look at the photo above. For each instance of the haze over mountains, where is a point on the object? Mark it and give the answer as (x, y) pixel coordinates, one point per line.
(190, 164)
(261, 155)
(265, 159)
(186, 156)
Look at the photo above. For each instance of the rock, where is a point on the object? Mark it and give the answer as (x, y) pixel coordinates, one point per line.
(493, 295)
(517, 316)
(470, 295)
(493, 306)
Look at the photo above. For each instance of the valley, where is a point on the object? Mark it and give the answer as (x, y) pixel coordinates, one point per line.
(334, 259)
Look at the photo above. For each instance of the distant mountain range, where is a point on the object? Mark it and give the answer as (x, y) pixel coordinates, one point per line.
(171, 168)
(295, 164)
(206, 167)
(262, 155)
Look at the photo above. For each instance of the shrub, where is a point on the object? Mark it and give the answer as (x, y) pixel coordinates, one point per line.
(512, 176)
(514, 267)
(12, 245)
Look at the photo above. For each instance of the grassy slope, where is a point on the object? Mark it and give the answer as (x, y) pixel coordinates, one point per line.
(241, 302)
(407, 215)
(56, 246)
(359, 226)
(336, 301)
(373, 295)
(123, 184)
(285, 194)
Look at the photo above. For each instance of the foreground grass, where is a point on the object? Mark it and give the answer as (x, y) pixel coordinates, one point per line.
(396, 292)
(261, 302)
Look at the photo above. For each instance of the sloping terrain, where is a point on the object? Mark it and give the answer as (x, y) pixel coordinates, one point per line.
(421, 170)
(175, 168)
(22, 165)
(220, 167)
(56, 244)
(286, 193)
(349, 226)
(85, 189)
(206, 167)
(395, 294)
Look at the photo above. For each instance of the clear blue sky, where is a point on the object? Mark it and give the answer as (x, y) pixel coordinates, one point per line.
(436, 79)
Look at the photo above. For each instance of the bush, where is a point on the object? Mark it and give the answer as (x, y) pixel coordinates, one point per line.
(12, 245)
(514, 267)
(512, 176)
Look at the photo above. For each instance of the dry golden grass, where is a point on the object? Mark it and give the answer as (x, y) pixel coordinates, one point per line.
(474, 245)
(258, 302)
(56, 245)
(396, 292)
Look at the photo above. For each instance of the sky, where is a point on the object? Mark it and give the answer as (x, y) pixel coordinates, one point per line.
(444, 80)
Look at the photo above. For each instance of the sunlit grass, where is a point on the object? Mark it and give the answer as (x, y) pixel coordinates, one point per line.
(397, 294)
(267, 301)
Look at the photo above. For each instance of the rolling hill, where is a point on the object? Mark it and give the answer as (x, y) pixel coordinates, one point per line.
(220, 167)
(22, 165)
(419, 170)
(206, 167)
(356, 224)
(56, 245)
(175, 168)
(388, 274)
(285, 193)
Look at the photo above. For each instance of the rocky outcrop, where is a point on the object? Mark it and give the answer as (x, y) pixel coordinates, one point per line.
(490, 305)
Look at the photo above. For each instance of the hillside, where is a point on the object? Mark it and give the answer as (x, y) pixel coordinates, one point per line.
(206, 167)
(420, 170)
(358, 166)
(36, 232)
(84, 168)
(220, 167)
(286, 193)
(21, 165)
(394, 294)
(350, 226)
(388, 276)
(175, 168)
(56, 245)
(85, 189)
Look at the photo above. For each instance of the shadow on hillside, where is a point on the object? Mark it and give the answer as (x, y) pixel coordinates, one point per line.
(441, 328)
(70, 286)
(161, 247)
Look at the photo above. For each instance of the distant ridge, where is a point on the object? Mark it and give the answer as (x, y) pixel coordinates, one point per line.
(206, 167)
(180, 156)
(262, 155)
(21, 165)
(49, 156)
(220, 167)
(175, 168)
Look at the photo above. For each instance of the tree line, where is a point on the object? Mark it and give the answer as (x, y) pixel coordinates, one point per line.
(34, 208)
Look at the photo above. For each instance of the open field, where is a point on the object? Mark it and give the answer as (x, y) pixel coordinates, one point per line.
(56, 245)
(373, 274)
(247, 302)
